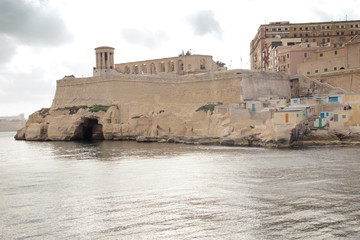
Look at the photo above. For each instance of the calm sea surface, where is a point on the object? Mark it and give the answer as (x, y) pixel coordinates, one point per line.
(129, 190)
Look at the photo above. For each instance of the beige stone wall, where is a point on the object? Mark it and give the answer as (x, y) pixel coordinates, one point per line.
(348, 80)
(147, 92)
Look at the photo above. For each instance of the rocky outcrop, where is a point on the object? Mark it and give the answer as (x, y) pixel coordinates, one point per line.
(192, 125)
(343, 136)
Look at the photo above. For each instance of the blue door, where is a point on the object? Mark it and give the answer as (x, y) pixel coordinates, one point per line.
(333, 99)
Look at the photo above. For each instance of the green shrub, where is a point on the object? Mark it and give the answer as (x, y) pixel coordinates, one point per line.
(98, 108)
(207, 107)
(93, 108)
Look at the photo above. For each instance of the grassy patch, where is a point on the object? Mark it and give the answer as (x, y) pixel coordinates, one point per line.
(93, 108)
(98, 108)
(44, 112)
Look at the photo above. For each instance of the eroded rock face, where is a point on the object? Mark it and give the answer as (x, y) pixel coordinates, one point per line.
(148, 123)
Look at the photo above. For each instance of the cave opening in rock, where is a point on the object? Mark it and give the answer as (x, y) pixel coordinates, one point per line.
(88, 130)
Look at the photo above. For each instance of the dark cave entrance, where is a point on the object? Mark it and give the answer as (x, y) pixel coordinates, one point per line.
(88, 130)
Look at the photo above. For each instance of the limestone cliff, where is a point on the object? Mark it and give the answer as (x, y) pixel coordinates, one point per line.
(195, 124)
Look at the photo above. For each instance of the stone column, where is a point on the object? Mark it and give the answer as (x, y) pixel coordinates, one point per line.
(166, 63)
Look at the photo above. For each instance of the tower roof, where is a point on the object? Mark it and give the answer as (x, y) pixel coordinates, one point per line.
(104, 47)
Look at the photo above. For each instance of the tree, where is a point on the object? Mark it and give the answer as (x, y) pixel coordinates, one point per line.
(220, 64)
(188, 53)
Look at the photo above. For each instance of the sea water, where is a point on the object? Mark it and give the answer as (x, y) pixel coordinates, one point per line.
(129, 190)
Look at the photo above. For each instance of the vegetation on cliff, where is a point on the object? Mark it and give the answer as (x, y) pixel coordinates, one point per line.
(93, 108)
(209, 107)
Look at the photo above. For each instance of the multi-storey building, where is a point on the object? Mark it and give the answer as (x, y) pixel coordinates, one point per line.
(287, 58)
(333, 59)
(336, 34)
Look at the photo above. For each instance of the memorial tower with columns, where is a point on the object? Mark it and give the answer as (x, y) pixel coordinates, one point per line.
(104, 59)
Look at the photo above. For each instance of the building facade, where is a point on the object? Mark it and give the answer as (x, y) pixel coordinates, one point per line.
(287, 58)
(336, 34)
(332, 59)
(175, 65)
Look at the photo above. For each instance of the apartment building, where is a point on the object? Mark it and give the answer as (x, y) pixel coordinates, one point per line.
(332, 59)
(334, 34)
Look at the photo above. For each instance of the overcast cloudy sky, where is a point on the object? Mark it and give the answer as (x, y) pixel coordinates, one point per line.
(43, 40)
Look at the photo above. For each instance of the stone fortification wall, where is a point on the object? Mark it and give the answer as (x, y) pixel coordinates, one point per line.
(257, 83)
(348, 80)
(227, 87)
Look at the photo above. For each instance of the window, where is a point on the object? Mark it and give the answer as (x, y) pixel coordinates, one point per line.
(335, 52)
(336, 117)
(321, 54)
(295, 35)
(343, 116)
(305, 55)
(325, 69)
(316, 71)
(308, 73)
(300, 28)
(335, 68)
(202, 64)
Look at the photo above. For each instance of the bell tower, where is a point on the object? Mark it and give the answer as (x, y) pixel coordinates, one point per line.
(104, 58)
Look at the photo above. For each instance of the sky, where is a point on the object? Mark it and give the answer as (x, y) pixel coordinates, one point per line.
(41, 41)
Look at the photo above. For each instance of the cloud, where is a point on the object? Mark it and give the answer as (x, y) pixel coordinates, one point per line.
(7, 49)
(24, 92)
(204, 22)
(27, 23)
(144, 38)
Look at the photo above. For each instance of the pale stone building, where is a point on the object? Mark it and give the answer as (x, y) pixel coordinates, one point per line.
(339, 67)
(336, 33)
(287, 58)
(333, 59)
(175, 65)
